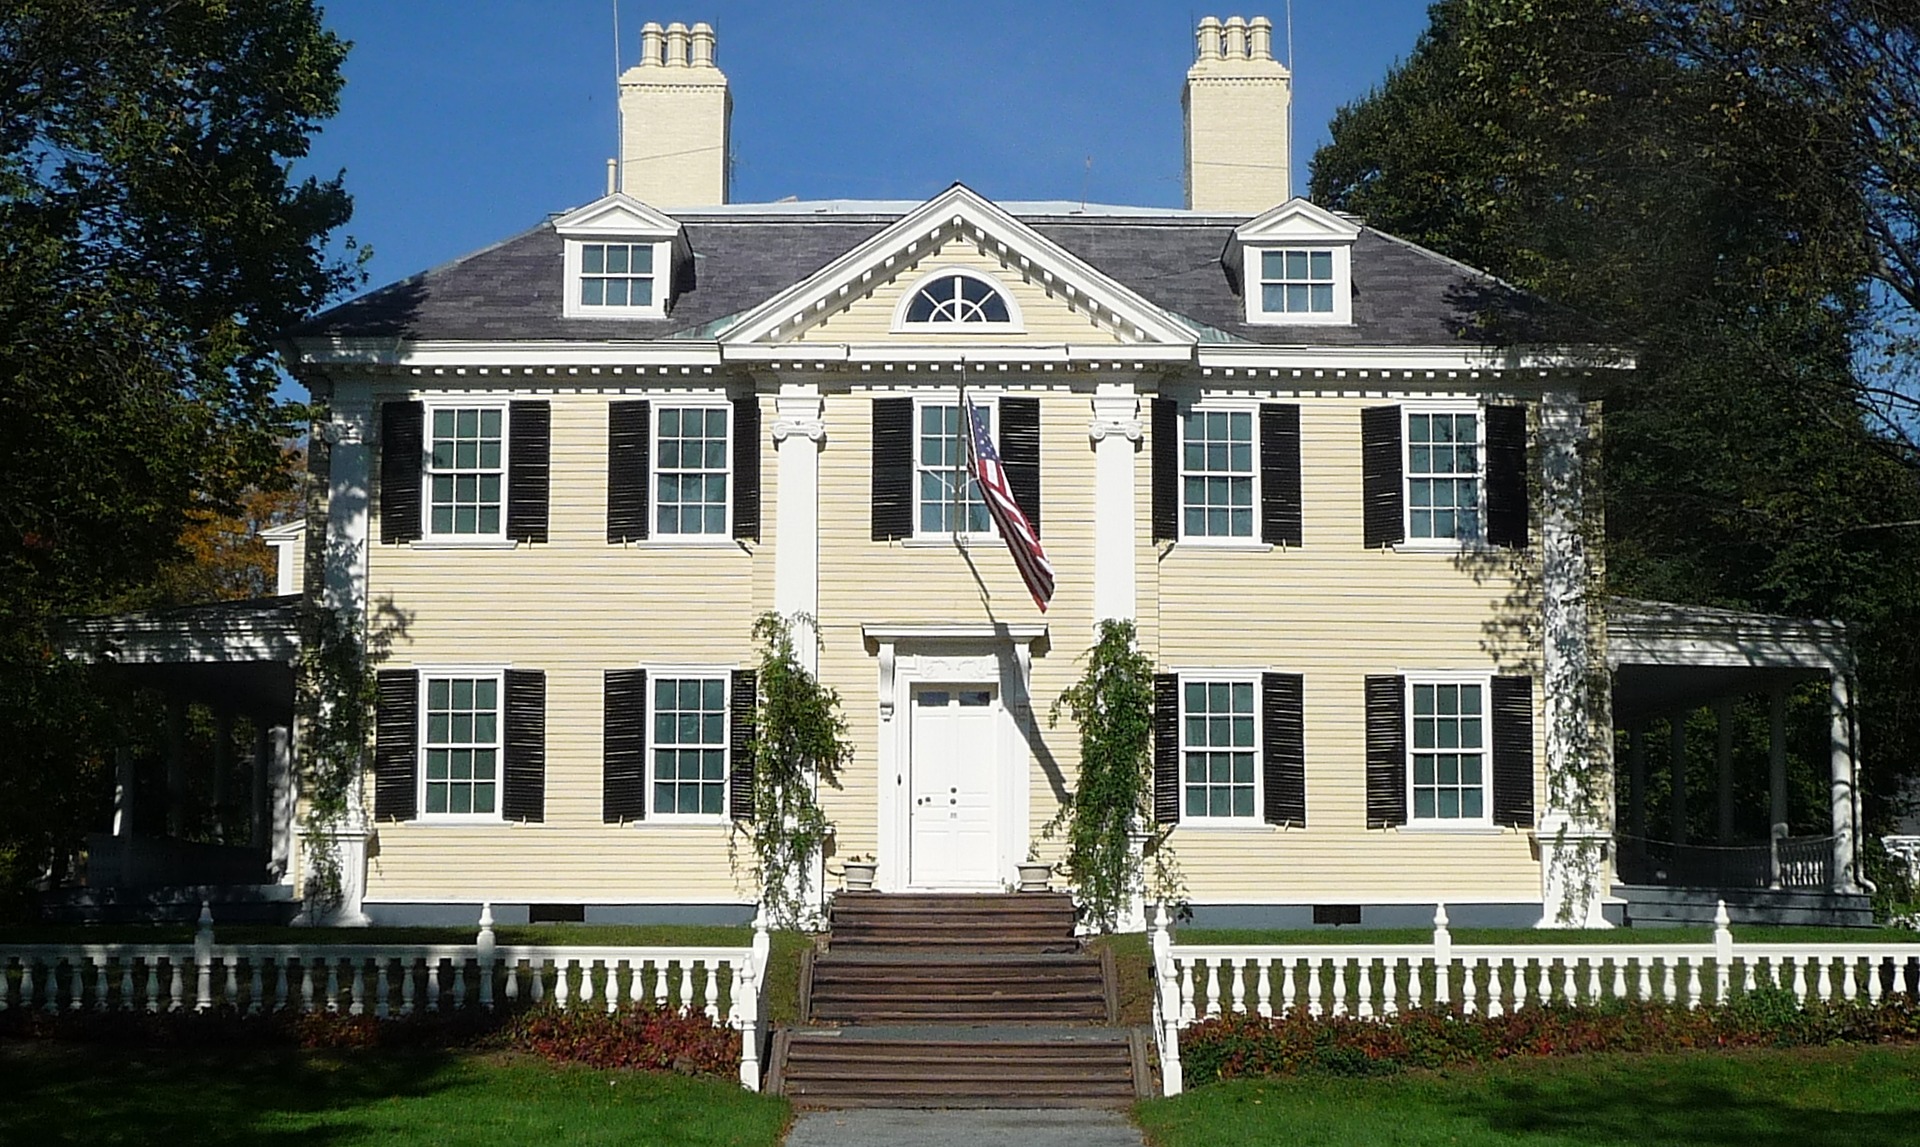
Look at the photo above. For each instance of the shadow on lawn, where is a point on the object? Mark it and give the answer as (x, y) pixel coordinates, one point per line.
(64, 1093)
(1638, 1109)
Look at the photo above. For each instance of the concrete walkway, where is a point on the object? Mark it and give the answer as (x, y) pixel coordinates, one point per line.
(883, 1127)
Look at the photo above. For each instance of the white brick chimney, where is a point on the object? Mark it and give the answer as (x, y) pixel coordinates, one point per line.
(1238, 101)
(675, 116)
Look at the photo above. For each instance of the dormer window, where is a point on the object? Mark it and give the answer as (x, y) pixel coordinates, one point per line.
(958, 301)
(1295, 264)
(1296, 282)
(616, 274)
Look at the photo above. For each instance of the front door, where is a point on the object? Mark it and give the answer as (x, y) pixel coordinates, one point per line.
(955, 739)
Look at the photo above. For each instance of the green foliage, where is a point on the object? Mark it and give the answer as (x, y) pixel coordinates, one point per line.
(335, 695)
(153, 242)
(1112, 706)
(800, 742)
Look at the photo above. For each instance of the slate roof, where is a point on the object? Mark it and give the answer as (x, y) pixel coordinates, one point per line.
(1404, 295)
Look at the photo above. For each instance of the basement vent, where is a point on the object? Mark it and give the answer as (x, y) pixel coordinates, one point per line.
(1336, 914)
(577, 914)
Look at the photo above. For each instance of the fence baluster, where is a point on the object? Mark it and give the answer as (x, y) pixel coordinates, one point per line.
(1389, 972)
(1693, 983)
(382, 987)
(1365, 988)
(1263, 987)
(1314, 1007)
(1289, 991)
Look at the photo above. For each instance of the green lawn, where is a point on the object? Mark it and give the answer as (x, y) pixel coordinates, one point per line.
(1828, 1097)
(66, 1094)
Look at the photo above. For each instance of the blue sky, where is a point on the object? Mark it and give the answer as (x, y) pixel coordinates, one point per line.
(465, 122)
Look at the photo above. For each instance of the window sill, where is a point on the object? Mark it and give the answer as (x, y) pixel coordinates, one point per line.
(1441, 546)
(1226, 545)
(686, 542)
(1260, 827)
(437, 820)
(707, 822)
(1455, 829)
(463, 544)
(948, 541)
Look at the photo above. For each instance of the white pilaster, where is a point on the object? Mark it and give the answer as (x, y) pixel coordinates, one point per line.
(798, 431)
(349, 487)
(1116, 433)
(1573, 830)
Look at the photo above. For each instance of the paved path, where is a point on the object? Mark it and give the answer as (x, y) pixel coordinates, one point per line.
(881, 1127)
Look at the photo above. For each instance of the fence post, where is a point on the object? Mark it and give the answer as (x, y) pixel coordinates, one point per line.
(203, 958)
(1442, 956)
(1722, 952)
(484, 955)
(1167, 998)
(751, 1005)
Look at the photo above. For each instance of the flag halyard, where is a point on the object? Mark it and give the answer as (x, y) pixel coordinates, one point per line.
(1023, 542)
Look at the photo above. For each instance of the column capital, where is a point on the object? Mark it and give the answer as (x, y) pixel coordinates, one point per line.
(1116, 416)
(799, 416)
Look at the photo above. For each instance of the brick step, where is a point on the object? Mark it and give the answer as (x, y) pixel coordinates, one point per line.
(827, 988)
(827, 1070)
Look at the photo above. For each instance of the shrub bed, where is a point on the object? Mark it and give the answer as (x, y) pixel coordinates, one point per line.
(647, 1038)
(1240, 1046)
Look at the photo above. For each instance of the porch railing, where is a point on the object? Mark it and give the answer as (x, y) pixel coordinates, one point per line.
(389, 980)
(1802, 862)
(1376, 981)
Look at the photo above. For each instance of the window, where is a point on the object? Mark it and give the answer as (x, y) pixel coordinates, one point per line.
(947, 497)
(1448, 751)
(1296, 282)
(957, 298)
(461, 746)
(690, 745)
(616, 275)
(466, 471)
(1217, 474)
(1443, 475)
(1217, 749)
(690, 471)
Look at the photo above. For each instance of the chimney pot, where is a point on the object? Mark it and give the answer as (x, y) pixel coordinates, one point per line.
(1208, 36)
(1236, 38)
(1260, 37)
(676, 45)
(703, 45)
(650, 44)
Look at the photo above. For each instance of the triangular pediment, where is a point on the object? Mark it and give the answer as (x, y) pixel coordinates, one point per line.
(1297, 220)
(617, 214)
(1054, 296)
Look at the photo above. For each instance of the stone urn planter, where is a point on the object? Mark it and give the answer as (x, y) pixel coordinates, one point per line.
(860, 874)
(1035, 877)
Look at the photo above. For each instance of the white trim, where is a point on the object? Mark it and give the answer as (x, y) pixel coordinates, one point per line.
(1217, 676)
(494, 538)
(661, 274)
(1484, 822)
(799, 432)
(1489, 364)
(349, 519)
(658, 407)
(1452, 406)
(659, 673)
(1298, 220)
(616, 214)
(423, 677)
(1252, 276)
(963, 631)
(1016, 322)
(551, 359)
(1116, 430)
(1221, 405)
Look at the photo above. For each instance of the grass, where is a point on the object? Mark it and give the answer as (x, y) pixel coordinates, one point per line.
(58, 1094)
(1828, 1097)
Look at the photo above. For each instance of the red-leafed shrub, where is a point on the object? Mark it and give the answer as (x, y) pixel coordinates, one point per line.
(1236, 1046)
(648, 1038)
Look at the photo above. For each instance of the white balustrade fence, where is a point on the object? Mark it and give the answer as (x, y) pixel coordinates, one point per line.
(1378, 981)
(389, 980)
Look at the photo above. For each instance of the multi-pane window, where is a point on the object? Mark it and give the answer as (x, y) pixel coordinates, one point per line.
(1217, 471)
(1443, 476)
(949, 498)
(462, 746)
(690, 471)
(689, 745)
(1296, 282)
(1449, 752)
(958, 299)
(465, 472)
(1217, 748)
(616, 274)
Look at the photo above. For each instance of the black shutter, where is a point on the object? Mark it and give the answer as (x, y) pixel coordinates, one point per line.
(1019, 445)
(396, 744)
(1283, 728)
(402, 443)
(1385, 520)
(1386, 751)
(1507, 476)
(892, 469)
(746, 469)
(524, 795)
(1513, 751)
(1280, 473)
(1166, 748)
(1166, 470)
(529, 464)
(740, 741)
(623, 778)
(629, 443)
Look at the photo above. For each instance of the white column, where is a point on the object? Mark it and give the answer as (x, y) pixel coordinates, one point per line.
(1844, 788)
(1574, 818)
(281, 802)
(1116, 433)
(349, 492)
(1723, 758)
(798, 431)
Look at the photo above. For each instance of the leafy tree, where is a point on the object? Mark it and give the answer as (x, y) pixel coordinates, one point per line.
(153, 240)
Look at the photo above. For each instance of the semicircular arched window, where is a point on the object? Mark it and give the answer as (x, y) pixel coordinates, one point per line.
(958, 298)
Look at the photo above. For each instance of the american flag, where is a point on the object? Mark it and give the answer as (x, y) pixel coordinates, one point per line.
(1029, 556)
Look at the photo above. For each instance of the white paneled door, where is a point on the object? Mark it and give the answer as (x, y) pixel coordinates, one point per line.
(955, 747)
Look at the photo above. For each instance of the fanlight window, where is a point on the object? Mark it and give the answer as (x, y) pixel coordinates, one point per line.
(958, 299)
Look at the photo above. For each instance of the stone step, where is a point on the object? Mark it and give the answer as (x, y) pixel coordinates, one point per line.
(825, 1069)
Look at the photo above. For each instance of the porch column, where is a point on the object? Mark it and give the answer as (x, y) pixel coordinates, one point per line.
(798, 430)
(1843, 786)
(176, 766)
(1677, 754)
(123, 782)
(1116, 433)
(1776, 775)
(222, 766)
(1723, 757)
(281, 798)
(1637, 786)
